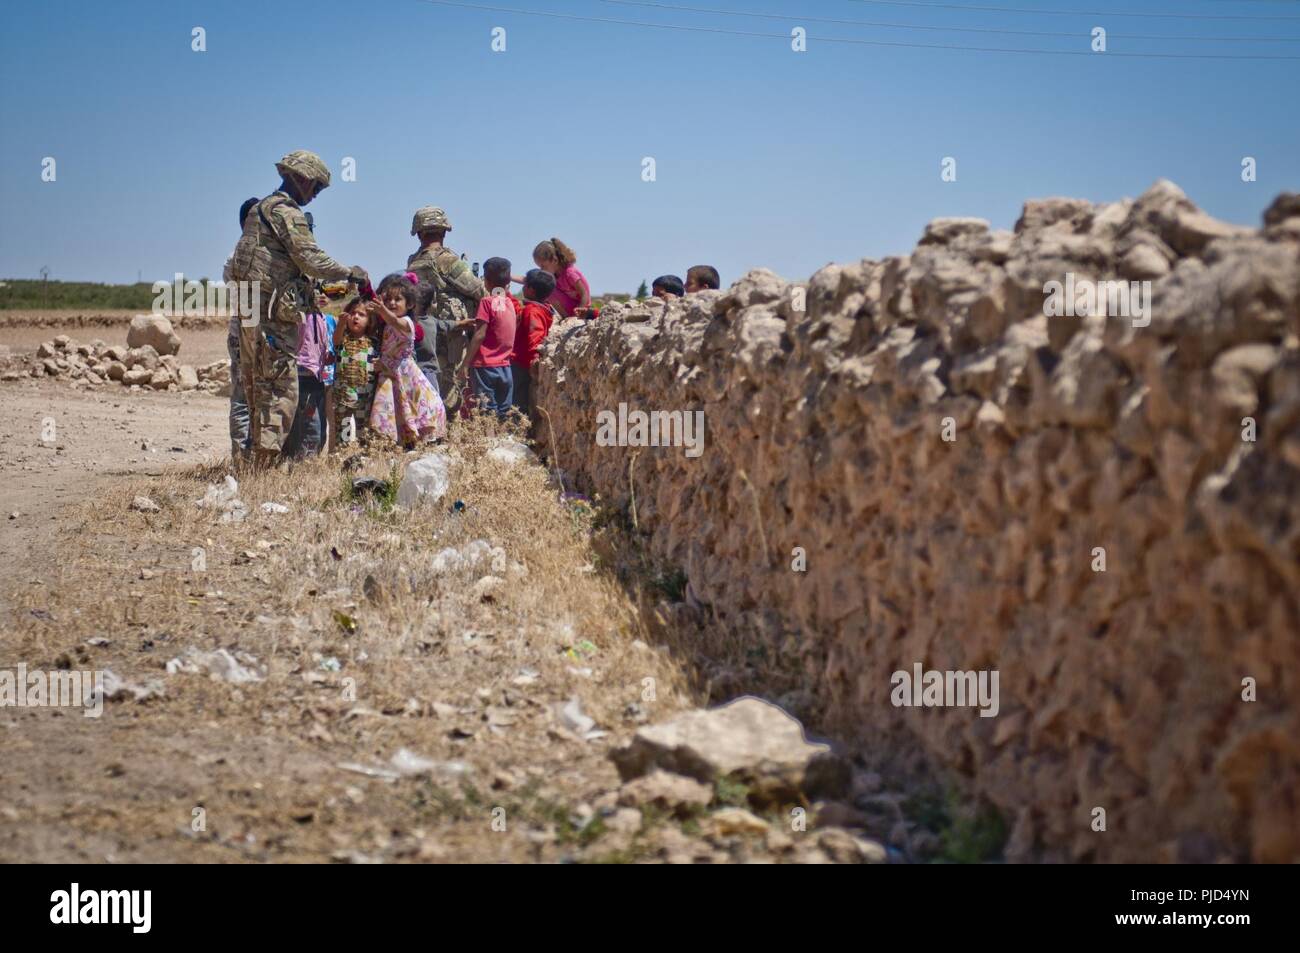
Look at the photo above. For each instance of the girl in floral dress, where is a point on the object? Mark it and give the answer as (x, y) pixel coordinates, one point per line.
(406, 408)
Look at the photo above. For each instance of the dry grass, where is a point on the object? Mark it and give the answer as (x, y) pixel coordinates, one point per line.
(425, 661)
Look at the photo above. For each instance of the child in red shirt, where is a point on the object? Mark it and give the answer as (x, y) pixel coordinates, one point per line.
(533, 326)
(488, 356)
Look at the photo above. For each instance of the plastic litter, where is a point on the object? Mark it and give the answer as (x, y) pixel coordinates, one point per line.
(111, 687)
(573, 717)
(510, 451)
(237, 669)
(219, 494)
(224, 497)
(427, 479)
(371, 485)
(472, 555)
(274, 508)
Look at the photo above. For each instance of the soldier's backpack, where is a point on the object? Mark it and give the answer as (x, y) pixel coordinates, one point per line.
(252, 260)
(450, 303)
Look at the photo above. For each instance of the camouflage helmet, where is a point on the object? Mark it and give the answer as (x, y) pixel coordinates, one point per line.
(430, 218)
(306, 164)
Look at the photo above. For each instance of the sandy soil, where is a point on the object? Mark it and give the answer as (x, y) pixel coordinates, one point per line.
(98, 437)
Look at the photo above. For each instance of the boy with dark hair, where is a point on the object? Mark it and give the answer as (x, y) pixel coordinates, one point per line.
(702, 278)
(487, 359)
(534, 324)
(667, 287)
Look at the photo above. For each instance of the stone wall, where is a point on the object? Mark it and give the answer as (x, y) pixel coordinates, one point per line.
(956, 465)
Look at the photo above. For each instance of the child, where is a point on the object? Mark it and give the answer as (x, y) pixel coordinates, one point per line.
(702, 278)
(534, 324)
(406, 408)
(572, 295)
(667, 287)
(488, 355)
(308, 432)
(354, 384)
(327, 378)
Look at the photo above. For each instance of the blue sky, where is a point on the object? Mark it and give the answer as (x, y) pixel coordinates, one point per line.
(764, 156)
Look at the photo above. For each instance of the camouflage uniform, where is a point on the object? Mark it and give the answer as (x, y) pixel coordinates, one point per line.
(456, 295)
(278, 250)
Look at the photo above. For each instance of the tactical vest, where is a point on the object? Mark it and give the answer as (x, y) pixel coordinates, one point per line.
(285, 292)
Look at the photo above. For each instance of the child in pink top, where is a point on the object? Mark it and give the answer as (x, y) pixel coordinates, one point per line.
(572, 295)
(406, 407)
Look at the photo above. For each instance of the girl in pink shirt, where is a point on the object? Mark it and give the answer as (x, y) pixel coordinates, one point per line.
(572, 295)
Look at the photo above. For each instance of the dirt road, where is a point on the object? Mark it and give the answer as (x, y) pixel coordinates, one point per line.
(62, 446)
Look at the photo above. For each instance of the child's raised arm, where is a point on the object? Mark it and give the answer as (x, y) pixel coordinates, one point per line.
(392, 320)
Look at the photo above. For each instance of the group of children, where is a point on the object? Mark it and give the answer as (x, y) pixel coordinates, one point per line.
(361, 374)
(358, 377)
(698, 278)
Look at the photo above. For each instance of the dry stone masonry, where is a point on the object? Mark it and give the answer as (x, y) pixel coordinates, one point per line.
(138, 365)
(908, 462)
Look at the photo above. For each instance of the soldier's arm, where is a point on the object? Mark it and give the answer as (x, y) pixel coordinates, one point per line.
(291, 227)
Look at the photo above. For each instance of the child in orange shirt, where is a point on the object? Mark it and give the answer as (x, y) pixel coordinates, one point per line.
(534, 324)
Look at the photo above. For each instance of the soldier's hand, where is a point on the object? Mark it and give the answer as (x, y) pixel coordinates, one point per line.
(359, 274)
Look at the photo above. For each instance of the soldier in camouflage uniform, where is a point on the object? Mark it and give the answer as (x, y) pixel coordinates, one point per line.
(278, 250)
(456, 293)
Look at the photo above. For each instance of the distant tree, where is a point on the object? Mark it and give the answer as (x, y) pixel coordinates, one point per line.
(643, 292)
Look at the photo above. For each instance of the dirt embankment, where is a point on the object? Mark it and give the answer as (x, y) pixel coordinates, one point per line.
(909, 463)
(100, 318)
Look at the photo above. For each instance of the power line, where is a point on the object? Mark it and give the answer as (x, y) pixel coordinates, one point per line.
(799, 18)
(849, 40)
(1076, 13)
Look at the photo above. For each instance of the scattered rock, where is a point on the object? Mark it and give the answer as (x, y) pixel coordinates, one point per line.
(748, 738)
(730, 821)
(154, 331)
(669, 792)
